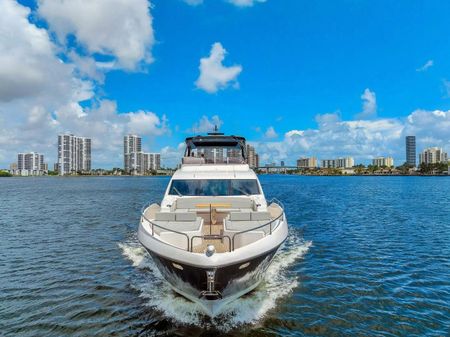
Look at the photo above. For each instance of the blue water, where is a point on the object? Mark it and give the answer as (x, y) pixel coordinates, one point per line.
(366, 256)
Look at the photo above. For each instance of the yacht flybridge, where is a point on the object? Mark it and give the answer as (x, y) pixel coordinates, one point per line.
(214, 234)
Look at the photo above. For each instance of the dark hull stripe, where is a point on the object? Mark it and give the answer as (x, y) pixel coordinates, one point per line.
(228, 280)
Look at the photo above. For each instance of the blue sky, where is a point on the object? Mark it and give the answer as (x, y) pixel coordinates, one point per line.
(298, 78)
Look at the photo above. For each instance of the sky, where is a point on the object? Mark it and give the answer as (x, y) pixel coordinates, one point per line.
(296, 78)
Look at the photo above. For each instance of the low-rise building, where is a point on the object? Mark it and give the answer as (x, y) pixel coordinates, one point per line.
(345, 162)
(383, 161)
(307, 162)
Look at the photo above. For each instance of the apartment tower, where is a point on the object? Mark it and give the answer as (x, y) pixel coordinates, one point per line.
(74, 154)
(411, 150)
(132, 145)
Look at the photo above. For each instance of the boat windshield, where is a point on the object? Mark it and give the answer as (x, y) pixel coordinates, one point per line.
(213, 187)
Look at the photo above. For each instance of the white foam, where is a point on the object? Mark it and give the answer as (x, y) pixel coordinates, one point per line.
(249, 309)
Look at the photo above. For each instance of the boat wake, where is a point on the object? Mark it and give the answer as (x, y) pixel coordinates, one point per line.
(279, 281)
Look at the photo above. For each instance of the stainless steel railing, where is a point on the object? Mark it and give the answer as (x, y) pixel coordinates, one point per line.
(153, 225)
(231, 241)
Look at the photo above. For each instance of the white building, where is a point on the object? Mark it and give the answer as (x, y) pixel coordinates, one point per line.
(383, 161)
(151, 162)
(307, 162)
(74, 154)
(137, 162)
(29, 164)
(132, 146)
(433, 155)
(252, 157)
(346, 162)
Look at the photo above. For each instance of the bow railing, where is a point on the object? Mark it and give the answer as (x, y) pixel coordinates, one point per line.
(231, 241)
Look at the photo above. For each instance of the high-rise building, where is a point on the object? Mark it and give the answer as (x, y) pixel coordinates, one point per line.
(29, 164)
(136, 161)
(307, 162)
(150, 162)
(411, 150)
(433, 155)
(383, 161)
(132, 145)
(252, 157)
(74, 154)
(346, 162)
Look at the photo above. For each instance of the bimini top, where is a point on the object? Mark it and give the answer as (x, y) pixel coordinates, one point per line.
(215, 148)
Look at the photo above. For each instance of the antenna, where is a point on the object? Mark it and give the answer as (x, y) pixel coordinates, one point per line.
(215, 131)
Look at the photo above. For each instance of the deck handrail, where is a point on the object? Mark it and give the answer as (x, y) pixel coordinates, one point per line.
(264, 225)
(161, 227)
(189, 242)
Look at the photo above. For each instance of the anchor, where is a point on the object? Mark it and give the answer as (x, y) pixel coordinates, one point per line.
(210, 293)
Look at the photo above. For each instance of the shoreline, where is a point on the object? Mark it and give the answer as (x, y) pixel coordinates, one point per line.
(259, 174)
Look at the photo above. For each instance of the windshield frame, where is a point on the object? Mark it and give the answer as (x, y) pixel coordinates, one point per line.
(224, 187)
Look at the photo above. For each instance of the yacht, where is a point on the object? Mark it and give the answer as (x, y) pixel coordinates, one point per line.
(214, 234)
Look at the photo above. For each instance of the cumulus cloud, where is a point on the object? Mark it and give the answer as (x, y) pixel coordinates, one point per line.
(369, 105)
(171, 156)
(206, 124)
(28, 65)
(121, 29)
(362, 139)
(213, 74)
(270, 133)
(427, 65)
(103, 123)
(41, 95)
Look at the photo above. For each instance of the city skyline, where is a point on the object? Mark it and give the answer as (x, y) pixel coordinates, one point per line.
(75, 153)
(306, 92)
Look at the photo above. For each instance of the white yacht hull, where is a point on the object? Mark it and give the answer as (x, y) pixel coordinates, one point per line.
(232, 274)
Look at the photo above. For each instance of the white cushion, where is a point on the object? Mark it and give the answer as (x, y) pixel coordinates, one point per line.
(260, 216)
(239, 216)
(165, 216)
(185, 216)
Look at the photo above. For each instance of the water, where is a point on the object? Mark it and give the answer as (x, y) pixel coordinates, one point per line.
(365, 256)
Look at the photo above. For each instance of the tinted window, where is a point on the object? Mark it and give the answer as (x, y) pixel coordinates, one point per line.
(214, 187)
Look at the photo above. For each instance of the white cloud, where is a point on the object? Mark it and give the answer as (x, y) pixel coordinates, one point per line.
(270, 133)
(28, 65)
(118, 28)
(37, 130)
(362, 139)
(213, 74)
(369, 106)
(244, 3)
(427, 65)
(40, 94)
(205, 125)
(171, 156)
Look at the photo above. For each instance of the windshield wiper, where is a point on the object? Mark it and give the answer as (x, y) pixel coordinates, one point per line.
(243, 192)
(177, 192)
